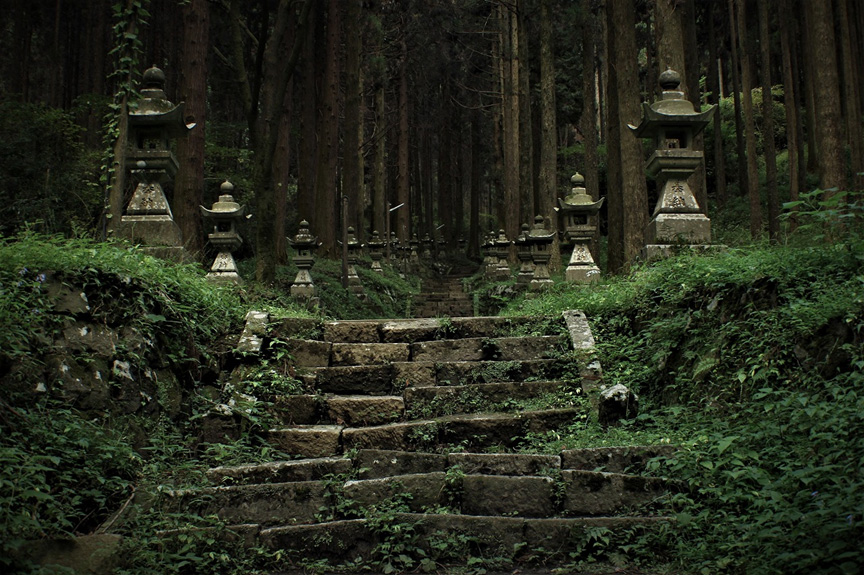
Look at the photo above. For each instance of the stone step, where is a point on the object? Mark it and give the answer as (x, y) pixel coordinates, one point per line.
(280, 471)
(451, 539)
(379, 463)
(354, 410)
(470, 431)
(567, 493)
(484, 348)
(405, 330)
(435, 401)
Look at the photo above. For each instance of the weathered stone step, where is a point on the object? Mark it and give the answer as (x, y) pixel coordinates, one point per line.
(470, 431)
(403, 330)
(262, 504)
(625, 459)
(484, 348)
(433, 401)
(571, 493)
(524, 540)
(354, 410)
(280, 471)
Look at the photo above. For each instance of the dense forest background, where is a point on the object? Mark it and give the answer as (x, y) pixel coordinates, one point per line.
(472, 113)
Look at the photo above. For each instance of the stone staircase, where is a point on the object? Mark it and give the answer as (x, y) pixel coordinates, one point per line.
(407, 441)
(444, 296)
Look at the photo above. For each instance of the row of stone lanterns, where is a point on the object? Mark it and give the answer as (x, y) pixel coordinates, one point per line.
(672, 122)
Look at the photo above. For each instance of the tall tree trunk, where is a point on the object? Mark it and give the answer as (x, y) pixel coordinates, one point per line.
(282, 175)
(548, 144)
(379, 166)
(327, 203)
(628, 209)
(526, 136)
(403, 215)
(851, 96)
(749, 122)
(790, 99)
(589, 113)
(352, 163)
(310, 89)
(768, 124)
(445, 166)
(476, 174)
(510, 129)
(189, 184)
(826, 84)
(810, 66)
(716, 96)
(740, 149)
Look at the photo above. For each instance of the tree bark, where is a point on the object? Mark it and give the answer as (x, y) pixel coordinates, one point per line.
(379, 167)
(628, 201)
(716, 96)
(851, 97)
(352, 163)
(740, 149)
(749, 122)
(510, 129)
(403, 215)
(790, 99)
(548, 144)
(826, 85)
(189, 183)
(327, 203)
(768, 124)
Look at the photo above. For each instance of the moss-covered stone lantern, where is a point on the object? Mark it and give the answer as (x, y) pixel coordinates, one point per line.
(225, 215)
(304, 245)
(153, 122)
(540, 240)
(501, 252)
(673, 123)
(580, 224)
(355, 248)
(523, 252)
(376, 253)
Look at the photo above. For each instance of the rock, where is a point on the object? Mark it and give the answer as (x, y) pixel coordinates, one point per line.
(86, 555)
(616, 403)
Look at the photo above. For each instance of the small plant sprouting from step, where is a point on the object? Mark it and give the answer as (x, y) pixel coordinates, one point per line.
(425, 437)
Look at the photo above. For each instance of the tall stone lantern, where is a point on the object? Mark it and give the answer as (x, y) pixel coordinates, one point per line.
(501, 252)
(153, 122)
(523, 252)
(355, 248)
(540, 241)
(580, 224)
(305, 245)
(225, 214)
(673, 123)
(376, 247)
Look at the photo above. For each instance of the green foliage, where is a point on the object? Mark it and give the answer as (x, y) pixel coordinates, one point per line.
(175, 302)
(61, 474)
(46, 174)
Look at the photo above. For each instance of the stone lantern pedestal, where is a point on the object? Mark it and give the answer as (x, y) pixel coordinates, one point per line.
(225, 214)
(673, 123)
(305, 245)
(580, 211)
(153, 123)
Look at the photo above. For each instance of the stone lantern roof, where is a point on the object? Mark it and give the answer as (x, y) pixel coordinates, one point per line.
(155, 109)
(578, 198)
(672, 109)
(226, 207)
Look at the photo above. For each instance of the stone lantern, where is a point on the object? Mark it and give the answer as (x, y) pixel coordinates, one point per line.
(523, 252)
(394, 248)
(376, 245)
(502, 251)
(428, 245)
(153, 122)
(305, 245)
(355, 248)
(540, 241)
(673, 123)
(225, 214)
(580, 211)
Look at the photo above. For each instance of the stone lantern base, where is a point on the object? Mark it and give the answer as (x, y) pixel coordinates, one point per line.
(224, 269)
(158, 235)
(581, 268)
(666, 228)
